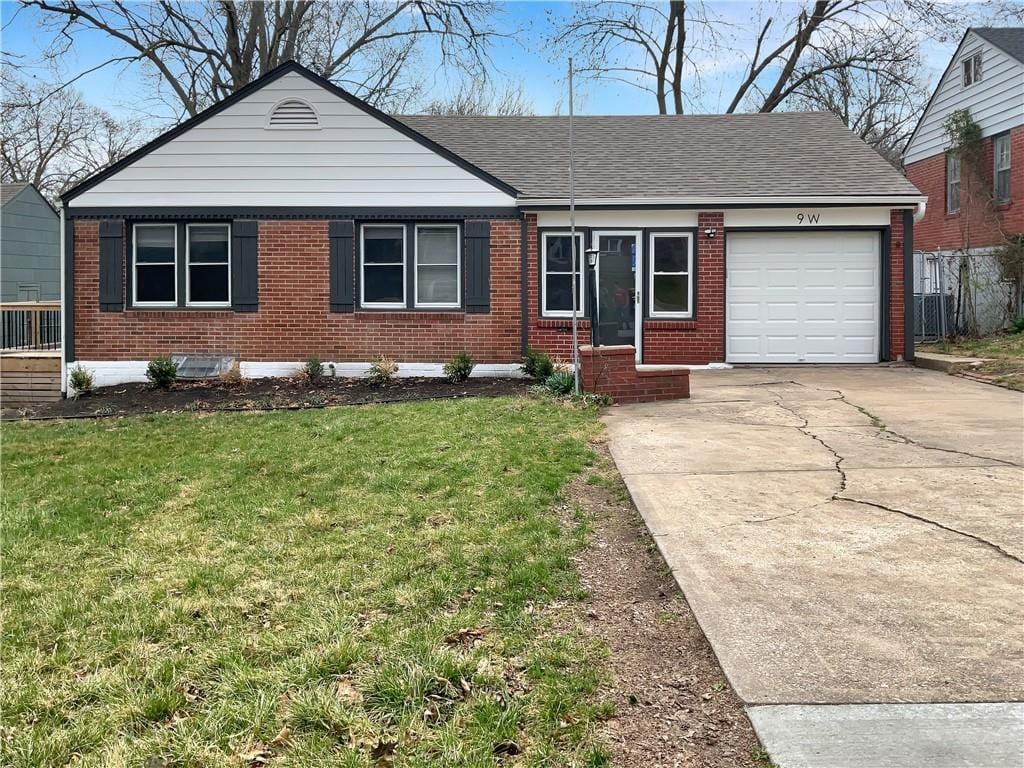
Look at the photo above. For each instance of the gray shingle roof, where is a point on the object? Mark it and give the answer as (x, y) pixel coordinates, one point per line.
(671, 156)
(1008, 39)
(10, 191)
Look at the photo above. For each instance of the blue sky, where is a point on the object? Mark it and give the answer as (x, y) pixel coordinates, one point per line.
(519, 58)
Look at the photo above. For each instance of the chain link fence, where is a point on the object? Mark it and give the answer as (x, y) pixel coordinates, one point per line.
(962, 294)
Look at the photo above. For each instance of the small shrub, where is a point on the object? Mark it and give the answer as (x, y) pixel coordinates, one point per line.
(537, 365)
(382, 371)
(1017, 326)
(560, 383)
(313, 369)
(162, 372)
(459, 367)
(81, 380)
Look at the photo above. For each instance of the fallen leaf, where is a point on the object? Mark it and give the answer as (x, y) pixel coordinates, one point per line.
(384, 752)
(283, 737)
(507, 748)
(347, 692)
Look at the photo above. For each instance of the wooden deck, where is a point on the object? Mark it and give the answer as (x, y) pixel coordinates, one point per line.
(29, 377)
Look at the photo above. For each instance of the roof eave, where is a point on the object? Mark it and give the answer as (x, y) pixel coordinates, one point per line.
(896, 200)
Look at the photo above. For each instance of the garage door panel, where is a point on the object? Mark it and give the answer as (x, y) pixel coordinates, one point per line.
(803, 297)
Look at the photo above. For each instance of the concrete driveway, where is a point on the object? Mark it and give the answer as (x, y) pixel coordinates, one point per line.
(848, 536)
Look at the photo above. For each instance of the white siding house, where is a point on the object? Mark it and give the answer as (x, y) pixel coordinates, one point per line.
(996, 101)
(338, 155)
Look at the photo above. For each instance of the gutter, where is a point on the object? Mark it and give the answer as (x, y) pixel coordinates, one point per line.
(709, 201)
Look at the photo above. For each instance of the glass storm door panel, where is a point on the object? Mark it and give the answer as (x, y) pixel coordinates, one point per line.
(616, 289)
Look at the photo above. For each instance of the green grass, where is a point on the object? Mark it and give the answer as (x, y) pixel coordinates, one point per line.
(296, 589)
(1004, 353)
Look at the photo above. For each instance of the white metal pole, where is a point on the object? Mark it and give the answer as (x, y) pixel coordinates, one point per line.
(573, 253)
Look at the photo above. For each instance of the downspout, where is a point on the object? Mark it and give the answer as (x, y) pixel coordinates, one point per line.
(63, 304)
(909, 217)
(920, 211)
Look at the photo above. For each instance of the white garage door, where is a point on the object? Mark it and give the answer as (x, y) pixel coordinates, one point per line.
(802, 297)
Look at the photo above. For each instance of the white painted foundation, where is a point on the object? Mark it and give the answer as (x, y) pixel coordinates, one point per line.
(108, 373)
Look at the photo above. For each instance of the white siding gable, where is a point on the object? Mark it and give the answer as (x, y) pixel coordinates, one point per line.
(235, 159)
(996, 102)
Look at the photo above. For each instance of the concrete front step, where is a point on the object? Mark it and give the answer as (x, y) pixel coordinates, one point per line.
(946, 363)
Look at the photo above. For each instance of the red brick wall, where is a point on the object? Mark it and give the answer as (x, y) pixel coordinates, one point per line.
(293, 321)
(896, 285)
(702, 339)
(553, 335)
(940, 231)
(612, 371)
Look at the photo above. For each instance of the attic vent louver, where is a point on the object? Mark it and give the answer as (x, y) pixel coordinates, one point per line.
(293, 113)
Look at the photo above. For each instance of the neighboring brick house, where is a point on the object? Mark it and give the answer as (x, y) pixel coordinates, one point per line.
(293, 220)
(961, 226)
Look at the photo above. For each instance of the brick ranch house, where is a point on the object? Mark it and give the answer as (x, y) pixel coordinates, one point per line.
(985, 76)
(292, 219)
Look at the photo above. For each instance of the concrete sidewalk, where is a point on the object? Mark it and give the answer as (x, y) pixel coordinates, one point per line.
(844, 536)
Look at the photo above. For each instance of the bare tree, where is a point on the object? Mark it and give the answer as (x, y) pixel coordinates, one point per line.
(879, 104)
(200, 52)
(54, 140)
(786, 57)
(480, 99)
(644, 44)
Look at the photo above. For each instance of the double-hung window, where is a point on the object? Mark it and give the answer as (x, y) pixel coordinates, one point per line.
(671, 286)
(971, 69)
(437, 265)
(208, 249)
(556, 277)
(1001, 174)
(382, 266)
(154, 265)
(952, 183)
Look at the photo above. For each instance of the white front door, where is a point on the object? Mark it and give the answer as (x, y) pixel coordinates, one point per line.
(803, 297)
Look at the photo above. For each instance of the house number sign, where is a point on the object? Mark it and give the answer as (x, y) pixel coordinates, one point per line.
(808, 218)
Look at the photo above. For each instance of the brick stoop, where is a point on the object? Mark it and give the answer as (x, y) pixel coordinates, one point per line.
(613, 371)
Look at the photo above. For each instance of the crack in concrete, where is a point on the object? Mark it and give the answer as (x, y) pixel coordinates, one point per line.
(838, 460)
(879, 424)
(912, 516)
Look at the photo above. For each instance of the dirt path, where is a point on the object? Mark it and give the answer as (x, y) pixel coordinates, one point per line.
(673, 705)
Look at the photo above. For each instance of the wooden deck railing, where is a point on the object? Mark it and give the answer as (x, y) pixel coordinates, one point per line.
(30, 325)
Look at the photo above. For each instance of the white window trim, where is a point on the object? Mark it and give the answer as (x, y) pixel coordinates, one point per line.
(949, 182)
(135, 265)
(416, 268)
(545, 312)
(362, 269)
(688, 314)
(188, 266)
(972, 63)
(1004, 138)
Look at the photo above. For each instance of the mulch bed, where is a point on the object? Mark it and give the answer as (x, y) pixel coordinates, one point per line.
(260, 394)
(673, 704)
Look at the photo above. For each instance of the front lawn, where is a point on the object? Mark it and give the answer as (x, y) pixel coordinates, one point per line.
(352, 586)
(1003, 354)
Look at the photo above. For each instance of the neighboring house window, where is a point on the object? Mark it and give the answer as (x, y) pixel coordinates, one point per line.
(556, 274)
(154, 265)
(382, 266)
(1001, 153)
(671, 285)
(952, 183)
(208, 255)
(971, 67)
(437, 265)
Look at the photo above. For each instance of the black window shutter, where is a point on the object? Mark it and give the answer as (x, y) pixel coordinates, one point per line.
(342, 274)
(478, 265)
(112, 265)
(244, 270)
